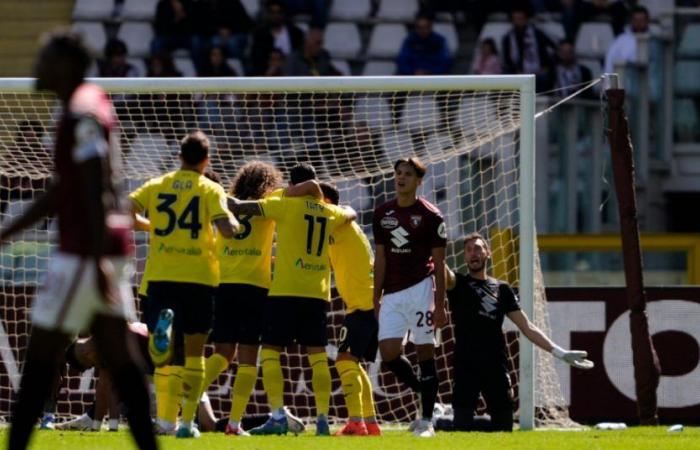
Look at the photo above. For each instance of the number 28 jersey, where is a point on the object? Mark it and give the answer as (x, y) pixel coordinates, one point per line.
(181, 206)
(304, 224)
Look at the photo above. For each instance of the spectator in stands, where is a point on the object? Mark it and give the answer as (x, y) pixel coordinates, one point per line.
(568, 73)
(527, 50)
(312, 59)
(275, 63)
(424, 52)
(115, 64)
(162, 65)
(574, 12)
(277, 33)
(624, 48)
(232, 25)
(317, 9)
(216, 65)
(172, 26)
(486, 61)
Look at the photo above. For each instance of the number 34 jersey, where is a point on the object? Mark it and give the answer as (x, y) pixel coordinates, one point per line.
(181, 206)
(304, 224)
(247, 258)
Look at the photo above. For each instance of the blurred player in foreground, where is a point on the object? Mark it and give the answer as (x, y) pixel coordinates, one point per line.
(87, 285)
(479, 304)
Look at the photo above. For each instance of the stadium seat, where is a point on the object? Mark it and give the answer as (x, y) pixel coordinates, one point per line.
(420, 113)
(594, 39)
(395, 145)
(397, 10)
(342, 40)
(252, 7)
(137, 36)
(139, 9)
(495, 31)
(93, 10)
(448, 31)
(93, 34)
(690, 42)
(686, 123)
(373, 110)
(657, 7)
(139, 64)
(374, 68)
(342, 65)
(185, 66)
(385, 40)
(355, 10)
(554, 30)
(685, 77)
(237, 65)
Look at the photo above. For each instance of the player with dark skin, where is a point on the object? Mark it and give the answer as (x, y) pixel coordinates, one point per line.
(60, 68)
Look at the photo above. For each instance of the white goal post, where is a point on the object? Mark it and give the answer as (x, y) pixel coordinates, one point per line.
(458, 124)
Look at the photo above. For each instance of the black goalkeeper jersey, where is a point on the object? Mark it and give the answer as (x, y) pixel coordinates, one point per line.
(478, 308)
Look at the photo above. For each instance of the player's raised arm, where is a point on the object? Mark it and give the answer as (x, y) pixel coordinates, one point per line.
(311, 188)
(574, 358)
(244, 207)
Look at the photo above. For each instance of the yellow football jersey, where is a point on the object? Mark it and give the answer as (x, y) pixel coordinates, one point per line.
(247, 258)
(302, 268)
(353, 267)
(181, 206)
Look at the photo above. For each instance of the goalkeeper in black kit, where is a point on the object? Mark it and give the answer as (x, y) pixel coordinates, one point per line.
(478, 304)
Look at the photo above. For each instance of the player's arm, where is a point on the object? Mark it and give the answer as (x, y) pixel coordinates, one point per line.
(379, 275)
(450, 278)
(39, 209)
(349, 213)
(307, 188)
(141, 223)
(575, 358)
(227, 226)
(244, 207)
(439, 316)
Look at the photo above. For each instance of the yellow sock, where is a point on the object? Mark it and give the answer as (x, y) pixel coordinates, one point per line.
(246, 376)
(368, 411)
(161, 384)
(351, 380)
(215, 364)
(172, 407)
(321, 382)
(273, 381)
(192, 387)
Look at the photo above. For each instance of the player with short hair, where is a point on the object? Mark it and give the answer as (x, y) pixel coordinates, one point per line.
(182, 265)
(87, 284)
(409, 284)
(478, 304)
(246, 272)
(297, 304)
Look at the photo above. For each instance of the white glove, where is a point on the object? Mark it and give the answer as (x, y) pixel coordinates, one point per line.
(574, 358)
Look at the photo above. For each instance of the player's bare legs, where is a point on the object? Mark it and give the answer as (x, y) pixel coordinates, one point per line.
(119, 351)
(41, 367)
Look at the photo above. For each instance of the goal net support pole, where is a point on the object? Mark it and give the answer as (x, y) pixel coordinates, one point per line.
(646, 362)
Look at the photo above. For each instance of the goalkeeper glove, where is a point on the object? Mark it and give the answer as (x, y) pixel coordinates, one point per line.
(574, 358)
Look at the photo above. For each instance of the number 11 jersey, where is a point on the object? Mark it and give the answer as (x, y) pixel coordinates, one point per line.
(181, 206)
(304, 224)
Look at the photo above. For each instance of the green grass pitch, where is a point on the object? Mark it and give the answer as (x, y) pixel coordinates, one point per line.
(632, 438)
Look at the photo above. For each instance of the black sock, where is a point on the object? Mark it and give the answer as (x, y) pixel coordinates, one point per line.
(428, 387)
(402, 369)
(35, 388)
(133, 392)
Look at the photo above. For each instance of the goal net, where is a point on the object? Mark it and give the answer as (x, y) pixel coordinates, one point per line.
(475, 134)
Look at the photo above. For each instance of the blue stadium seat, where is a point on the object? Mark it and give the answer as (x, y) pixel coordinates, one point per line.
(448, 31)
(237, 65)
(355, 10)
(93, 34)
(594, 39)
(137, 36)
(92, 10)
(342, 65)
(690, 41)
(554, 30)
(139, 9)
(397, 10)
(375, 68)
(685, 77)
(495, 31)
(185, 66)
(686, 123)
(342, 40)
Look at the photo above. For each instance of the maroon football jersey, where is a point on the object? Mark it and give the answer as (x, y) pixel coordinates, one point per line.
(408, 236)
(85, 131)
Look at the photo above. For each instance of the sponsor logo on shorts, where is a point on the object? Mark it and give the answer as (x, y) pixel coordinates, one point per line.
(389, 222)
(308, 266)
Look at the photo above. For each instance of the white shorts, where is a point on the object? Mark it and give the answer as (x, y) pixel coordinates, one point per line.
(409, 310)
(69, 299)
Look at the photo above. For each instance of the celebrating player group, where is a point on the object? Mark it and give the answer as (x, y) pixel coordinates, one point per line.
(209, 275)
